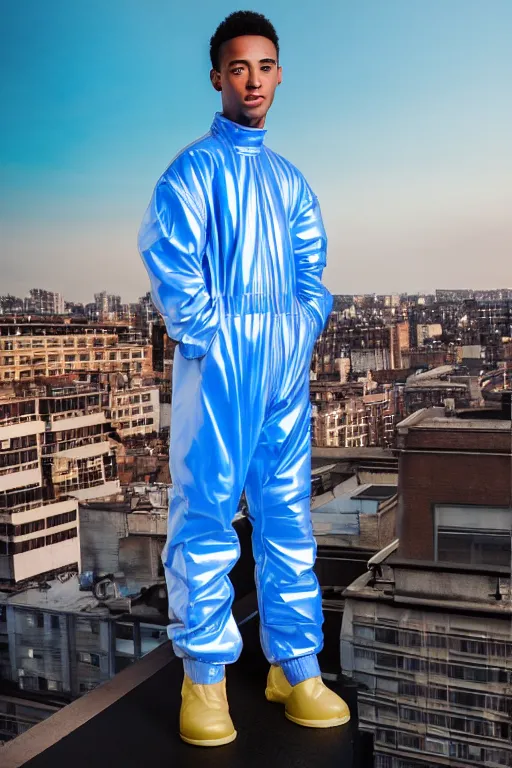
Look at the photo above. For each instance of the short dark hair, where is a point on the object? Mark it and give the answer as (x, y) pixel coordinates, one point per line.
(237, 24)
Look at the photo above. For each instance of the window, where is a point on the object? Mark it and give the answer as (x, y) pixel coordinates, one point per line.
(55, 622)
(436, 641)
(411, 715)
(24, 528)
(54, 685)
(88, 625)
(386, 736)
(475, 535)
(56, 538)
(437, 746)
(360, 630)
(26, 546)
(85, 687)
(387, 660)
(65, 517)
(384, 635)
(438, 719)
(410, 741)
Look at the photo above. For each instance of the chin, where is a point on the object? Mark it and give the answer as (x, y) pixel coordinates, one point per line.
(258, 113)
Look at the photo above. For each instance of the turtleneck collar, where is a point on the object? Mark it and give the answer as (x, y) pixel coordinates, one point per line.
(247, 141)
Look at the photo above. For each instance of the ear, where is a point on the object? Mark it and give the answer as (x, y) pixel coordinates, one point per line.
(279, 75)
(215, 79)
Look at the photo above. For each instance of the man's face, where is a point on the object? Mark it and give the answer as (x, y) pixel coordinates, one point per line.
(248, 78)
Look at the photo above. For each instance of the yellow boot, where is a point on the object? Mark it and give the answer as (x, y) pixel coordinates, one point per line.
(309, 703)
(278, 688)
(204, 714)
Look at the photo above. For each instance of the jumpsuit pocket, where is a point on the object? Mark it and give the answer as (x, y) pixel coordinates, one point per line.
(310, 328)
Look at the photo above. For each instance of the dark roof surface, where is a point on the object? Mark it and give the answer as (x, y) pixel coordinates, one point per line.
(142, 727)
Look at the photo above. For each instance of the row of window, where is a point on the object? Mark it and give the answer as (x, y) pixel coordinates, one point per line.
(465, 699)
(26, 497)
(132, 399)
(73, 403)
(456, 696)
(134, 411)
(16, 458)
(17, 548)
(29, 683)
(8, 529)
(438, 719)
(410, 638)
(70, 341)
(65, 435)
(483, 674)
(461, 751)
(15, 410)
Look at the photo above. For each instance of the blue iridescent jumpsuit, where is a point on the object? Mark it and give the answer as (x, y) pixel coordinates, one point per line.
(235, 248)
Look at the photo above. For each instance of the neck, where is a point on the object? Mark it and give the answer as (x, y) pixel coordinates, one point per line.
(256, 122)
(247, 139)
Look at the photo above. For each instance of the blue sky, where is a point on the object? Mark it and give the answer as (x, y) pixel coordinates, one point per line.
(398, 112)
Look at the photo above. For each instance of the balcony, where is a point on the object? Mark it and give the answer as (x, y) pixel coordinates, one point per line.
(132, 720)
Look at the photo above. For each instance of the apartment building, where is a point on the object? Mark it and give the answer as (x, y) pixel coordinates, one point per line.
(59, 644)
(428, 393)
(427, 632)
(32, 349)
(54, 451)
(134, 410)
(41, 302)
(343, 416)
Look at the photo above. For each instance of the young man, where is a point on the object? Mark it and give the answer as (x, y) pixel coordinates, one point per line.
(235, 248)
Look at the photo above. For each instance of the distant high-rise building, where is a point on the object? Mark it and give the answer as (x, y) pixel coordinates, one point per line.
(43, 302)
(10, 305)
(107, 306)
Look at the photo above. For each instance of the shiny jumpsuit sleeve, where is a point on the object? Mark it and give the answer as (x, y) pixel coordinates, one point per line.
(234, 246)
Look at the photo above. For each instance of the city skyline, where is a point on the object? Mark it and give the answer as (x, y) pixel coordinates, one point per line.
(395, 114)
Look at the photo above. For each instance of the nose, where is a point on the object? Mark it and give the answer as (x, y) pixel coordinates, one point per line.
(254, 80)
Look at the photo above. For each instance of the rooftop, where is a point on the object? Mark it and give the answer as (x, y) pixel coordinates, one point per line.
(472, 419)
(58, 596)
(135, 715)
(376, 492)
(135, 719)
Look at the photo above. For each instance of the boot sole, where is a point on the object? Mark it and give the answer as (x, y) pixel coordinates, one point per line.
(318, 723)
(210, 742)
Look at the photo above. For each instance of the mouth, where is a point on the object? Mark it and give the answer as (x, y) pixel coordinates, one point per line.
(254, 100)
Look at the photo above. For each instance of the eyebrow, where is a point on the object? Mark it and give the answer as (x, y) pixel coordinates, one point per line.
(244, 61)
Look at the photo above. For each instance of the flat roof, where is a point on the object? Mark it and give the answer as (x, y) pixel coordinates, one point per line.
(376, 492)
(62, 596)
(435, 418)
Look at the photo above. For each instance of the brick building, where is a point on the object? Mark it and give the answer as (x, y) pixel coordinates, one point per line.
(427, 631)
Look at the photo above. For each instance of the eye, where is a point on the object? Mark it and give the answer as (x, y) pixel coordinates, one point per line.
(237, 71)
(266, 68)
